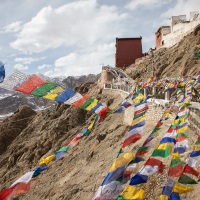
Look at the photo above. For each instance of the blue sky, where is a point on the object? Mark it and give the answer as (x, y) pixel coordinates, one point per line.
(76, 37)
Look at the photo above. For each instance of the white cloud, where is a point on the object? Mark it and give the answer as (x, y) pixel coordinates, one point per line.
(28, 60)
(25, 60)
(145, 4)
(80, 23)
(21, 67)
(182, 7)
(13, 27)
(44, 66)
(80, 63)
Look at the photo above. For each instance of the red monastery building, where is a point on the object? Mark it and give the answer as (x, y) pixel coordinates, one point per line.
(127, 51)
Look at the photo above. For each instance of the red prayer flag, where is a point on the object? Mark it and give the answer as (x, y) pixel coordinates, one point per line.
(159, 124)
(181, 138)
(131, 140)
(139, 111)
(176, 171)
(190, 170)
(4, 194)
(31, 83)
(102, 114)
(21, 188)
(80, 101)
(155, 162)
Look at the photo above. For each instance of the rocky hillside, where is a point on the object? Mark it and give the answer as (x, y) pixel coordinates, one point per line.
(26, 136)
(178, 60)
(73, 81)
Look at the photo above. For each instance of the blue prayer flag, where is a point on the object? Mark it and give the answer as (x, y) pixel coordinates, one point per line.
(138, 179)
(2, 72)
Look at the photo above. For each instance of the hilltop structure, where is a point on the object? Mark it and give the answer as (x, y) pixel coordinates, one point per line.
(127, 51)
(167, 36)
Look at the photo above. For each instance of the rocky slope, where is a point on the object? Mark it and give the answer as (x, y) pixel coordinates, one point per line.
(178, 60)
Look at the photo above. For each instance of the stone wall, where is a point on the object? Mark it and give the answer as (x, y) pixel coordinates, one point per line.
(194, 119)
(179, 31)
(106, 77)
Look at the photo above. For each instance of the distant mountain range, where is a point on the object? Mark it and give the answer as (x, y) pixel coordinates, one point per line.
(10, 101)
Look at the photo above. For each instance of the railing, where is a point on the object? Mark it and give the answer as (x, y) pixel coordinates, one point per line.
(127, 89)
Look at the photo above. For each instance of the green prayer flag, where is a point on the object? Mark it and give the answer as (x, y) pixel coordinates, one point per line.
(184, 179)
(197, 54)
(142, 149)
(161, 152)
(63, 149)
(197, 142)
(87, 132)
(139, 115)
(87, 103)
(120, 198)
(176, 162)
(155, 130)
(183, 116)
(43, 89)
(182, 135)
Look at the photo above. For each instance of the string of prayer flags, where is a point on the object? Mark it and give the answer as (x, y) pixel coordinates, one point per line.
(138, 122)
(163, 150)
(146, 145)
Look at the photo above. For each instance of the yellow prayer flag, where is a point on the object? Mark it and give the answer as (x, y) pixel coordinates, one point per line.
(196, 147)
(182, 130)
(122, 160)
(131, 192)
(50, 96)
(46, 160)
(187, 101)
(91, 126)
(180, 189)
(56, 90)
(135, 121)
(163, 197)
(138, 98)
(182, 84)
(175, 155)
(163, 146)
(92, 105)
